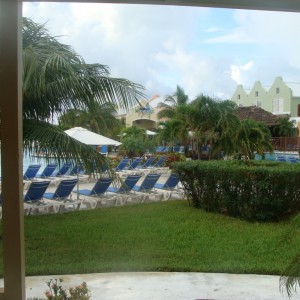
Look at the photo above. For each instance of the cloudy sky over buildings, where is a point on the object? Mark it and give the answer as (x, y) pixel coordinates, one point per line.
(204, 50)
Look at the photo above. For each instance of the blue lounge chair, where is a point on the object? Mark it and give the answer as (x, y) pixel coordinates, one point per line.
(31, 172)
(134, 164)
(48, 171)
(97, 192)
(281, 158)
(34, 195)
(124, 189)
(159, 149)
(147, 187)
(76, 170)
(176, 149)
(122, 164)
(292, 160)
(62, 193)
(170, 186)
(159, 163)
(170, 183)
(148, 163)
(63, 170)
(147, 184)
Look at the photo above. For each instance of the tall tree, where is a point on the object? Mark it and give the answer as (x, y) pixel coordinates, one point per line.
(172, 132)
(135, 141)
(55, 79)
(287, 127)
(253, 136)
(171, 102)
(97, 118)
(212, 122)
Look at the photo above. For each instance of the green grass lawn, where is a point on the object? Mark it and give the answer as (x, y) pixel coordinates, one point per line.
(168, 236)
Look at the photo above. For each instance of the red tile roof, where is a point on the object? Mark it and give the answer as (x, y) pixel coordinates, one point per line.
(258, 114)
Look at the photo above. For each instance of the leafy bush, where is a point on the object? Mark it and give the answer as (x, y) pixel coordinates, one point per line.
(174, 157)
(252, 190)
(57, 292)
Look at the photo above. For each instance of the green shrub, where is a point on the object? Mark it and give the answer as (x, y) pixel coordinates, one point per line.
(252, 190)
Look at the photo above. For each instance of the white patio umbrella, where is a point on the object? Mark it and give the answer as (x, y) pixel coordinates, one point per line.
(90, 138)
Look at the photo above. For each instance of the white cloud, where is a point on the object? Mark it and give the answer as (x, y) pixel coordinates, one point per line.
(237, 72)
(237, 36)
(201, 49)
(213, 29)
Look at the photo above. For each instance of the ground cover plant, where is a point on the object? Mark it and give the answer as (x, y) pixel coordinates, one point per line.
(167, 236)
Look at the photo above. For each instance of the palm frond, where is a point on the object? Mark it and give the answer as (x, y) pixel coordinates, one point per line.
(56, 78)
(43, 137)
(291, 280)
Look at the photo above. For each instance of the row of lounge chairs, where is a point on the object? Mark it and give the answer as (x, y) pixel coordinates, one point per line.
(165, 149)
(133, 189)
(125, 164)
(105, 192)
(49, 171)
(276, 157)
(289, 159)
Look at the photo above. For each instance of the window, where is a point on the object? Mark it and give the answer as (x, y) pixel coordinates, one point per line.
(239, 96)
(256, 94)
(241, 104)
(277, 90)
(277, 106)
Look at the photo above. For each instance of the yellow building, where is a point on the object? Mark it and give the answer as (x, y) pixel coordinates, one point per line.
(143, 116)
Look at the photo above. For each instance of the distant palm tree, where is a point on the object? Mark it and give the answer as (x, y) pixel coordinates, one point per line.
(213, 123)
(56, 79)
(253, 136)
(168, 107)
(172, 132)
(97, 118)
(287, 127)
(135, 141)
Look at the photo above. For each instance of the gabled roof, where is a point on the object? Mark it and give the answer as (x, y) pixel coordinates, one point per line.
(295, 87)
(258, 114)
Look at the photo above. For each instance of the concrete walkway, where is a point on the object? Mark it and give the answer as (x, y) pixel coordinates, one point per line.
(166, 286)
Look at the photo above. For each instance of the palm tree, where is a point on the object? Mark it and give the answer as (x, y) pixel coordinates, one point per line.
(168, 107)
(253, 136)
(56, 79)
(97, 118)
(213, 123)
(172, 132)
(287, 127)
(135, 142)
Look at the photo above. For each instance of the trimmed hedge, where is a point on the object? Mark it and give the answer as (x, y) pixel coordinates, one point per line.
(252, 190)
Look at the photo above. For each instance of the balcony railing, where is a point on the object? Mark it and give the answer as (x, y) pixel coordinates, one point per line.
(286, 143)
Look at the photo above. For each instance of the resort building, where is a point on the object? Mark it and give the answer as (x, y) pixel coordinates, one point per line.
(280, 98)
(143, 116)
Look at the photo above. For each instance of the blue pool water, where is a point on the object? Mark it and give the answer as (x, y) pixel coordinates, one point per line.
(30, 160)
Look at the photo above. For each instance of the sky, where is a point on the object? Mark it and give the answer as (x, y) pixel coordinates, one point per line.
(203, 50)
